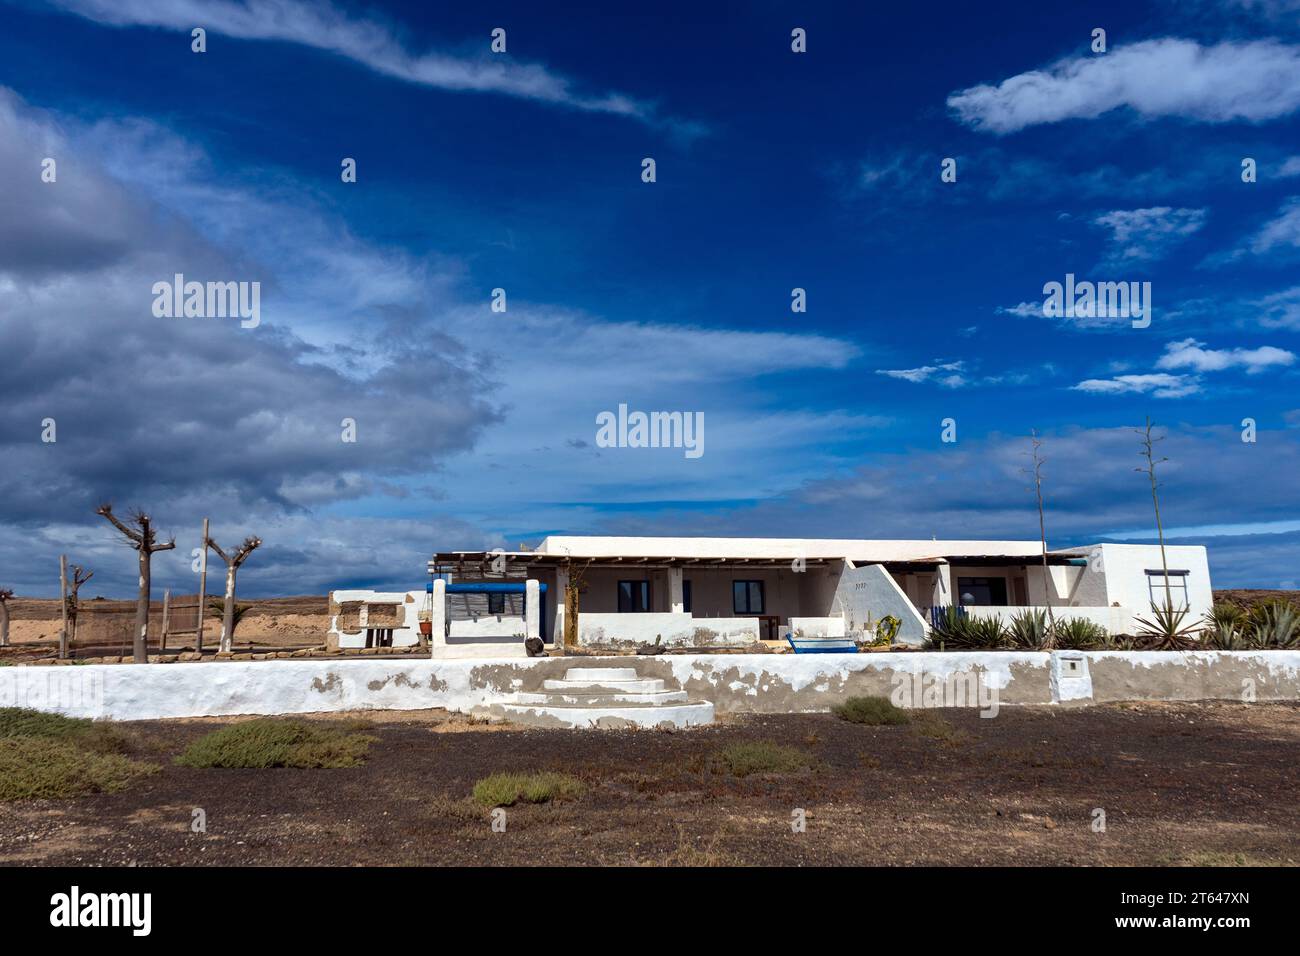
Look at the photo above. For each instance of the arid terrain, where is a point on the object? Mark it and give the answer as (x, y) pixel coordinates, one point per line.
(278, 623)
(1206, 784)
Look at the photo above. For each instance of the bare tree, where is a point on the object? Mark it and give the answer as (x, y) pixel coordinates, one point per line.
(79, 577)
(1036, 473)
(5, 595)
(233, 561)
(572, 590)
(142, 537)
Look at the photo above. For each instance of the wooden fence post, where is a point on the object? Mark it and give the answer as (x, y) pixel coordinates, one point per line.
(203, 585)
(63, 604)
(167, 603)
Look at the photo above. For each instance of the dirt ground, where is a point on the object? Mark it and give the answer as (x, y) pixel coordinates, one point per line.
(287, 622)
(1202, 784)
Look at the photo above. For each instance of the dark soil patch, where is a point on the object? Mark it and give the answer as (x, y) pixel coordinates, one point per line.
(1178, 783)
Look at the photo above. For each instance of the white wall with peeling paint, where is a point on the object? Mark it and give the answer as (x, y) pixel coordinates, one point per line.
(766, 683)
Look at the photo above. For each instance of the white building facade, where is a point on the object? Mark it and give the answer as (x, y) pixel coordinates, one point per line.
(703, 592)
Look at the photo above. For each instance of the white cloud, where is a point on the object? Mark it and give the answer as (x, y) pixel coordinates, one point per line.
(1145, 234)
(1158, 384)
(947, 374)
(1282, 231)
(369, 42)
(1281, 310)
(1291, 167)
(1254, 81)
(1192, 354)
(1025, 310)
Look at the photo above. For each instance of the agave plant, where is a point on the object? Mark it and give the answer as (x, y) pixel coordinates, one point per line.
(951, 630)
(1275, 625)
(1166, 629)
(1029, 630)
(987, 632)
(1224, 628)
(1079, 634)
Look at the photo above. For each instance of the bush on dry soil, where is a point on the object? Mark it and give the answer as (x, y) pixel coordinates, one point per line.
(875, 711)
(507, 789)
(262, 744)
(48, 756)
(761, 756)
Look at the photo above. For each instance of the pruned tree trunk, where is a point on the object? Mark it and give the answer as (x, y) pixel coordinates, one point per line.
(142, 539)
(233, 562)
(571, 615)
(5, 595)
(79, 577)
(140, 647)
(228, 614)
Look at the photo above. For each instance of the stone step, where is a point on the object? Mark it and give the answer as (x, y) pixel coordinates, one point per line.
(600, 673)
(599, 698)
(640, 686)
(606, 717)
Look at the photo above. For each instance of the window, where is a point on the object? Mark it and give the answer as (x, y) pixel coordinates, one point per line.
(982, 591)
(747, 597)
(496, 603)
(633, 597)
(1177, 593)
(686, 596)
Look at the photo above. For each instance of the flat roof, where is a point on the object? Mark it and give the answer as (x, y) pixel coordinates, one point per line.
(757, 552)
(858, 550)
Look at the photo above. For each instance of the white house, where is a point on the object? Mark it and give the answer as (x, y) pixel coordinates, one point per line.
(736, 591)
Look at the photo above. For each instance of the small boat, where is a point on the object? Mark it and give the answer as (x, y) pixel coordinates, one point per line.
(822, 645)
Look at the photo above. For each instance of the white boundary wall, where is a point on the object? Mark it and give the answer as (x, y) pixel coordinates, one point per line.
(764, 683)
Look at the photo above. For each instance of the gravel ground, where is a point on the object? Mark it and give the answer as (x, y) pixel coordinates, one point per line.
(1204, 784)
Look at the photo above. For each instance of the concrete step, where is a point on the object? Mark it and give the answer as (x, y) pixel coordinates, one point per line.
(600, 673)
(599, 698)
(606, 717)
(638, 686)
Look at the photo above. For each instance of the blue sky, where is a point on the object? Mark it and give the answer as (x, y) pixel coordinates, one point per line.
(522, 171)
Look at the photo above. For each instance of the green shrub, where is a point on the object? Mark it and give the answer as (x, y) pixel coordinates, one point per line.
(875, 711)
(929, 723)
(93, 735)
(761, 756)
(1028, 630)
(52, 768)
(260, 744)
(1079, 634)
(507, 789)
(1224, 628)
(1275, 625)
